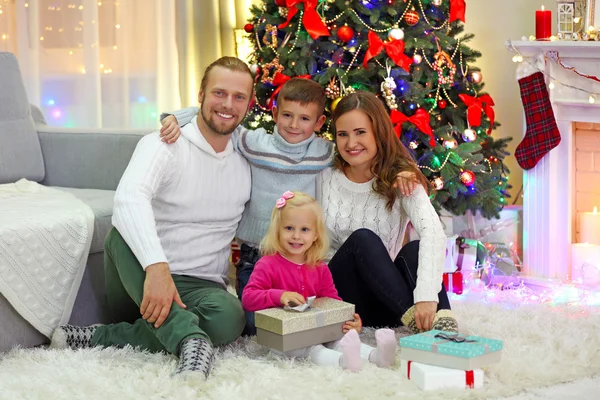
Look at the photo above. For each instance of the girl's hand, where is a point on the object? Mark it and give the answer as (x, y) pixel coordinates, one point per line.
(169, 132)
(424, 314)
(355, 324)
(406, 182)
(292, 299)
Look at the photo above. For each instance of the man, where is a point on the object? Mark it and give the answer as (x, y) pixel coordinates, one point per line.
(176, 212)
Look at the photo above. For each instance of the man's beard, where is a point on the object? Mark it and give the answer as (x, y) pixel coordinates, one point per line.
(211, 124)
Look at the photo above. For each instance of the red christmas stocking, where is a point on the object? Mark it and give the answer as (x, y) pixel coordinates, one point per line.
(542, 133)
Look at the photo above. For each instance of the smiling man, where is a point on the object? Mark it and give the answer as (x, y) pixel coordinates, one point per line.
(176, 212)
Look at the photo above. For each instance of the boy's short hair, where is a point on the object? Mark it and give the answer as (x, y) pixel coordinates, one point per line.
(304, 91)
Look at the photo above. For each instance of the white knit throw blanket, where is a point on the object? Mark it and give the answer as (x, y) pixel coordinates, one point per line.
(45, 237)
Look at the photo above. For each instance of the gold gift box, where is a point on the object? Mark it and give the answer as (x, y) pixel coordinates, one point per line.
(288, 330)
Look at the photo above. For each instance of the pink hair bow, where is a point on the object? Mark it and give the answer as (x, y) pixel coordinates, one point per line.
(283, 199)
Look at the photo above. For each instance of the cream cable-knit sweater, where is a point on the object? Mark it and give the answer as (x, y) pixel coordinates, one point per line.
(349, 206)
(181, 203)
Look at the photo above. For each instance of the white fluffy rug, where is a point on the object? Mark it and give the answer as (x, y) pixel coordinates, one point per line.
(543, 345)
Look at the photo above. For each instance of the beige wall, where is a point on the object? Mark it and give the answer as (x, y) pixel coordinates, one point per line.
(492, 23)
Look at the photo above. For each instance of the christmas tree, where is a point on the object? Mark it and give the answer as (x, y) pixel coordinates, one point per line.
(413, 54)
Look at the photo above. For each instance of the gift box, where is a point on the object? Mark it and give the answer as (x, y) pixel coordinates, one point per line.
(450, 350)
(235, 253)
(430, 377)
(453, 282)
(285, 330)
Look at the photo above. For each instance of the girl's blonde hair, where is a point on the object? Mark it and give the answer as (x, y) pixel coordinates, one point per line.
(271, 243)
(392, 157)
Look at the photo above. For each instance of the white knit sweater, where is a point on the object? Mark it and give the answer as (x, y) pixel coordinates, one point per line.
(181, 203)
(349, 206)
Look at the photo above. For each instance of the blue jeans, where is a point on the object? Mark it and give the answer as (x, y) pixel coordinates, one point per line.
(248, 258)
(381, 289)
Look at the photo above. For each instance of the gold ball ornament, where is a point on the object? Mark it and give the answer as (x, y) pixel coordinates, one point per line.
(411, 17)
(450, 143)
(334, 104)
(438, 183)
(476, 76)
(396, 34)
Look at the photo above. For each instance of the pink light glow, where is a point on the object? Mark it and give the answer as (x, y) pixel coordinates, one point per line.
(56, 113)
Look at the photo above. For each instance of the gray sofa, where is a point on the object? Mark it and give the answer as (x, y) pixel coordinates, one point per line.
(87, 163)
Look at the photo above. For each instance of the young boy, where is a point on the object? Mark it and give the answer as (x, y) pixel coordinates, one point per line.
(290, 158)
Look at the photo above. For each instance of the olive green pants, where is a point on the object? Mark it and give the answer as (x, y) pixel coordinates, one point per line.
(212, 313)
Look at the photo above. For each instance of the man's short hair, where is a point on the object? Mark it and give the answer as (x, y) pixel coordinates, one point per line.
(304, 91)
(230, 63)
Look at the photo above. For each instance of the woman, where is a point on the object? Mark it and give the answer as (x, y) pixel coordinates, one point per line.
(367, 219)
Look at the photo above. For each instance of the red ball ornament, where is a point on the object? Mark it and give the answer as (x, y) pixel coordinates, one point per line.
(345, 33)
(442, 104)
(467, 178)
(411, 17)
(280, 3)
(249, 28)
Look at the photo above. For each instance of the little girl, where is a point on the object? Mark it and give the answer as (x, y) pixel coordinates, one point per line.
(291, 270)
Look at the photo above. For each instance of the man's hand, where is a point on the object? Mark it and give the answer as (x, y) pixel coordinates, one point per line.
(159, 293)
(292, 299)
(424, 314)
(406, 182)
(355, 324)
(169, 132)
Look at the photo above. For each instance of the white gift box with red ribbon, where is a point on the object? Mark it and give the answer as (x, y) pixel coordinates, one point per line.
(430, 377)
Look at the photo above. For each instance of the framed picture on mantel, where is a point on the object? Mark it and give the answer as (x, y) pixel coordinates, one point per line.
(593, 14)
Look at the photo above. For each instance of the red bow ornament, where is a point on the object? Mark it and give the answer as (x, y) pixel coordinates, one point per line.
(394, 49)
(420, 120)
(458, 9)
(311, 20)
(278, 80)
(476, 105)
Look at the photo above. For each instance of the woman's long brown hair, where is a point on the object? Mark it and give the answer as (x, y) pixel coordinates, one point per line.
(392, 156)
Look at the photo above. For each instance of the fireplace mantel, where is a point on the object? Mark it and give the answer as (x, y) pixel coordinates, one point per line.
(548, 188)
(565, 48)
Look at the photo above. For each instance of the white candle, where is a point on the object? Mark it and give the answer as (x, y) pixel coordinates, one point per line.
(585, 263)
(589, 227)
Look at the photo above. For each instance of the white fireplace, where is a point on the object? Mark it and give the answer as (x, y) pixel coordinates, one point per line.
(549, 204)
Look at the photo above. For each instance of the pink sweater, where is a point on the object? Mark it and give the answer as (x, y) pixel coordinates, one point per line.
(274, 275)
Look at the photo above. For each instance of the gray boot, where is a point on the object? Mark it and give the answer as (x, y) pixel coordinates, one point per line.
(195, 356)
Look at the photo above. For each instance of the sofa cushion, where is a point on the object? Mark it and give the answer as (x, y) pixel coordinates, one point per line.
(20, 150)
(101, 202)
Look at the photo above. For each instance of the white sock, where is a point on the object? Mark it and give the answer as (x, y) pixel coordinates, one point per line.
(350, 347)
(320, 355)
(385, 354)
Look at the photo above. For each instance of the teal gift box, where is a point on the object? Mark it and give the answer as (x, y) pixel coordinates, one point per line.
(450, 350)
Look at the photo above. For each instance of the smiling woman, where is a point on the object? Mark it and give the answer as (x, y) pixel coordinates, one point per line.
(390, 283)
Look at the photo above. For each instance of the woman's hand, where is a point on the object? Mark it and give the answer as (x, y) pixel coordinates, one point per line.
(424, 314)
(406, 182)
(169, 132)
(355, 324)
(292, 299)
